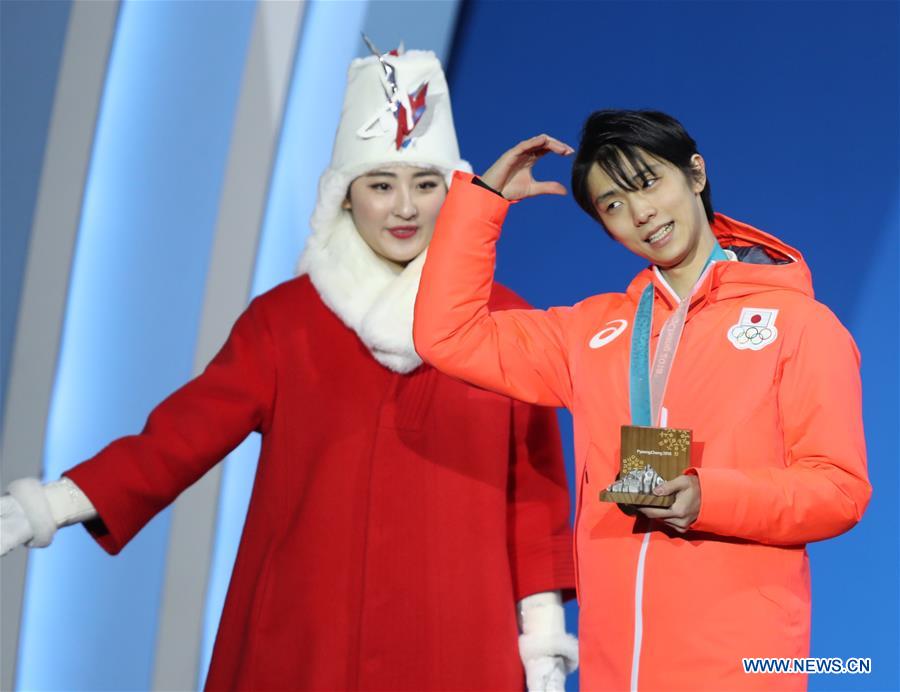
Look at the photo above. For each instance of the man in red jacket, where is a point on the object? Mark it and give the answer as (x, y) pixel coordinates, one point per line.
(765, 377)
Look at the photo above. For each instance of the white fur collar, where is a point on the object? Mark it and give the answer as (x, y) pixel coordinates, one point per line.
(372, 296)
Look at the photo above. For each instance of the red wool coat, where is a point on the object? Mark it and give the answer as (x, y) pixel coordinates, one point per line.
(394, 522)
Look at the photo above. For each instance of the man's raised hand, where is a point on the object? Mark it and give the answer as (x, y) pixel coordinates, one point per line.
(511, 174)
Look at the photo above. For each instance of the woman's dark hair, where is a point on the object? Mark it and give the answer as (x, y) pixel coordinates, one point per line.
(614, 138)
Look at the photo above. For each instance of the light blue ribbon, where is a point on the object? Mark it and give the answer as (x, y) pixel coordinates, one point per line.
(640, 349)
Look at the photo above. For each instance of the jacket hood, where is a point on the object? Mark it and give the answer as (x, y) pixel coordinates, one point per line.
(782, 267)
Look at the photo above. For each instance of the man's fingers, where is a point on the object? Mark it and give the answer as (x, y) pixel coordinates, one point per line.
(683, 511)
(657, 512)
(675, 511)
(664, 489)
(668, 516)
(535, 142)
(544, 143)
(673, 486)
(679, 523)
(549, 187)
(676, 526)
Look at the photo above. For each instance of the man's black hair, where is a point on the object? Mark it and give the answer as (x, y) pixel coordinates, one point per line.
(616, 140)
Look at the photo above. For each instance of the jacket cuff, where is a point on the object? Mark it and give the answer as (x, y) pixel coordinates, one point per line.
(723, 500)
(545, 566)
(480, 183)
(105, 528)
(481, 201)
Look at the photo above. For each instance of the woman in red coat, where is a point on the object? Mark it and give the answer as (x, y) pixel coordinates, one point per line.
(398, 515)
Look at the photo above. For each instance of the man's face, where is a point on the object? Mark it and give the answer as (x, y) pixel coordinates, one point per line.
(663, 219)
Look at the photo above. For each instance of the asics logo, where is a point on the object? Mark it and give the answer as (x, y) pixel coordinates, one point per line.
(608, 333)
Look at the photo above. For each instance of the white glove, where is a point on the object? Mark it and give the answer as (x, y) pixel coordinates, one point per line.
(15, 529)
(31, 513)
(545, 674)
(548, 652)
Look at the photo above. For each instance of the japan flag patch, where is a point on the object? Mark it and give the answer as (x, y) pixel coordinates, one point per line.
(755, 329)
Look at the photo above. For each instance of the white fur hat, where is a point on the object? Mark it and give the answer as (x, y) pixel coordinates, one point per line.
(396, 110)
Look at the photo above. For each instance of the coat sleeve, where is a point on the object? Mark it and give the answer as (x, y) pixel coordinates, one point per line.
(519, 353)
(823, 489)
(540, 537)
(135, 477)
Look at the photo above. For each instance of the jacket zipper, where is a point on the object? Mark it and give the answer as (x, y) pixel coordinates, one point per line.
(578, 502)
(639, 589)
(639, 612)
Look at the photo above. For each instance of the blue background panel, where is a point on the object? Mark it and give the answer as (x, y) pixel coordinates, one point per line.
(31, 45)
(134, 302)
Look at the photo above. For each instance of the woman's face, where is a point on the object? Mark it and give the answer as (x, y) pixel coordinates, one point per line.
(663, 220)
(394, 209)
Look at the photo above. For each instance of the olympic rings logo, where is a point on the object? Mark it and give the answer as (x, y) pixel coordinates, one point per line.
(755, 329)
(751, 335)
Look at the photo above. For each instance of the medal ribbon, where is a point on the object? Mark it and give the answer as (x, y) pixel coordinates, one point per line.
(649, 384)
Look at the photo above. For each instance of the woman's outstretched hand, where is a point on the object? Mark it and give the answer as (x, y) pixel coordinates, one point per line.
(511, 174)
(15, 529)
